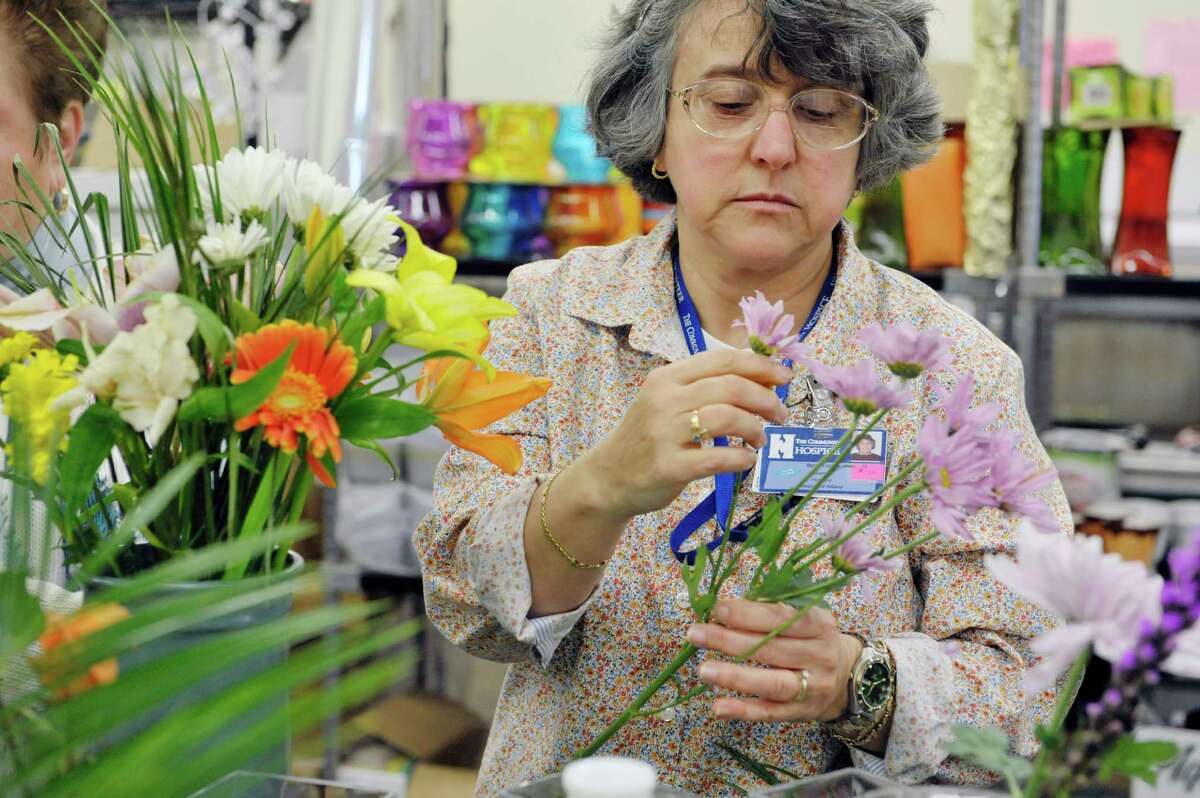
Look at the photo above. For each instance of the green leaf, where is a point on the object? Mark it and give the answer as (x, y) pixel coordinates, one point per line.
(139, 515)
(372, 446)
(236, 401)
(244, 319)
(70, 346)
(768, 534)
(988, 748)
(21, 618)
(1137, 759)
(91, 441)
(377, 418)
(371, 314)
(261, 505)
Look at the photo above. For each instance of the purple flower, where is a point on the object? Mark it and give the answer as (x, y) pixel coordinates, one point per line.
(1015, 480)
(770, 328)
(859, 387)
(1100, 597)
(906, 350)
(956, 470)
(957, 405)
(855, 554)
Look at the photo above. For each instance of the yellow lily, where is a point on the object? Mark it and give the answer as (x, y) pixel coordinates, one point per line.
(427, 311)
(465, 399)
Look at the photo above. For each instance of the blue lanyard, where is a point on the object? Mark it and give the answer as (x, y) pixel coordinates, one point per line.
(719, 501)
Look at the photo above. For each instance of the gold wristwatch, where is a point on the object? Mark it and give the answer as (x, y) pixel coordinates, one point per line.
(872, 695)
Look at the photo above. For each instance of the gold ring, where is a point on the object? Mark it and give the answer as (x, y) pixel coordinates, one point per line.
(699, 433)
(802, 693)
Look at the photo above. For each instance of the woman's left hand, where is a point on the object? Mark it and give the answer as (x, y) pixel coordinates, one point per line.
(812, 644)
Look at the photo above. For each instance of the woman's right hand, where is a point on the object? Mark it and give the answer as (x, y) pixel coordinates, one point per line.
(646, 462)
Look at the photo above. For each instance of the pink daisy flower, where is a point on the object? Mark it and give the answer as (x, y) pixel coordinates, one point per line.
(1016, 480)
(906, 350)
(958, 474)
(770, 328)
(855, 554)
(859, 387)
(956, 403)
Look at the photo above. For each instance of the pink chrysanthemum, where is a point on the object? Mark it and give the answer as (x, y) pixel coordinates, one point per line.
(855, 554)
(906, 350)
(1016, 481)
(859, 387)
(956, 403)
(770, 328)
(957, 472)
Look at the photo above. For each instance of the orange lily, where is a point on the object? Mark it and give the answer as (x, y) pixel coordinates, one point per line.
(464, 400)
(62, 630)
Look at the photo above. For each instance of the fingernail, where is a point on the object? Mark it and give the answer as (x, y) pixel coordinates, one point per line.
(722, 612)
(708, 671)
(695, 636)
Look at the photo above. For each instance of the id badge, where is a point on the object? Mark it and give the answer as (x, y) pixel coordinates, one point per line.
(791, 454)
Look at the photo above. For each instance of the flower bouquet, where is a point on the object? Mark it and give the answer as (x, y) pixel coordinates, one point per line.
(962, 463)
(170, 403)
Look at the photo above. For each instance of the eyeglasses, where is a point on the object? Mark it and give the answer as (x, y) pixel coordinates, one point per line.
(824, 119)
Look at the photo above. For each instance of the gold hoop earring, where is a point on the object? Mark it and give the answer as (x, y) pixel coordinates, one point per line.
(654, 171)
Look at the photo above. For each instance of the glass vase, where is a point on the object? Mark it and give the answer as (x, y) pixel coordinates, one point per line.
(935, 230)
(575, 148)
(424, 206)
(504, 222)
(1141, 245)
(517, 143)
(582, 216)
(441, 137)
(1071, 169)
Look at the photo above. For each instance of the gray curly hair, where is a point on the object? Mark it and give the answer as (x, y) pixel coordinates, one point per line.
(875, 47)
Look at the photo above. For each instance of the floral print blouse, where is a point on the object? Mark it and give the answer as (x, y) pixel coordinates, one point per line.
(597, 322)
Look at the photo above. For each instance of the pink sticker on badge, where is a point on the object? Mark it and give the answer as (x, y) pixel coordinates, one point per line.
(867, 472)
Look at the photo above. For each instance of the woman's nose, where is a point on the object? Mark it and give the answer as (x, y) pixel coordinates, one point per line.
(774, 143)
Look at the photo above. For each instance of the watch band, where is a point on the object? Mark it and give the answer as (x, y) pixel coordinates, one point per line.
(858, 728)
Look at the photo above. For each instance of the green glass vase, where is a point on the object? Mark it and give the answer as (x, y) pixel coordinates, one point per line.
(1073, 160)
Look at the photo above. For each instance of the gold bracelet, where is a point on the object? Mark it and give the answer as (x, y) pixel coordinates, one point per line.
(546, 530)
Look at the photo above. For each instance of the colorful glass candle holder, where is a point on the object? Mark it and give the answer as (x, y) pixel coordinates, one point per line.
(517, 143)
(575, 148)
(425, 206)
(582, 216)
(441, 136)
(1141, 246)
(1071, 169)
(504, 222)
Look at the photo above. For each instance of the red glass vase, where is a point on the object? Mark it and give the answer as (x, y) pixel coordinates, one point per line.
(1141, 245)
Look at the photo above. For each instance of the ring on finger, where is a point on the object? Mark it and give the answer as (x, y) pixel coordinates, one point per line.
(699, 433)
(802, 693)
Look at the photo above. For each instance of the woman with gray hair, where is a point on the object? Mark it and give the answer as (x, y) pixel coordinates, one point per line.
(759, 119)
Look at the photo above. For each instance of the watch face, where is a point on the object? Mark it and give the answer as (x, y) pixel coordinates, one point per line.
(875, 687)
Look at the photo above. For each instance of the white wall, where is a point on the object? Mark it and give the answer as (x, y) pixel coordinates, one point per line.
(540, 50)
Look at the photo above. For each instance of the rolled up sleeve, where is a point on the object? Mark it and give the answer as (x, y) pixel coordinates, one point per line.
(471, 546)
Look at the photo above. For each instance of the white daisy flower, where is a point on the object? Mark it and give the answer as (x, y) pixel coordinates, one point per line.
(227, 243)
(371, 233)
(250, 182)
(306, 185)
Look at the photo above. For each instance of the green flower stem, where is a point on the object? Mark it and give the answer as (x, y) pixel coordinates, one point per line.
(686, 653)
(778, 630)
(822, 587)
(682, 699)
(907, 547)
(1061, 707)
(887, 507)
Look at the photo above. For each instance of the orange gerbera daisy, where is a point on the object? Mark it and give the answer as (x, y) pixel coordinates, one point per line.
(464, 400)
(319, 370)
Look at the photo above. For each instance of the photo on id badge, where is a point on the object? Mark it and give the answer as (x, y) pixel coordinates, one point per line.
(791, 454)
